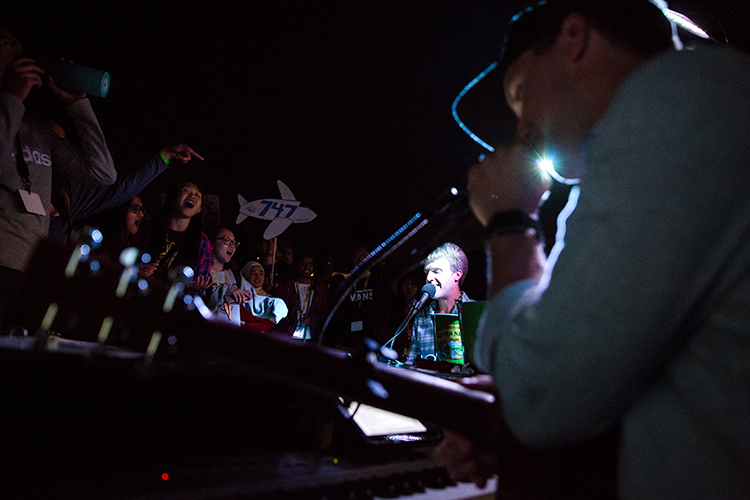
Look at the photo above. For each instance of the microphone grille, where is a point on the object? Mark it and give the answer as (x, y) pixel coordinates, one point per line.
(429, 289)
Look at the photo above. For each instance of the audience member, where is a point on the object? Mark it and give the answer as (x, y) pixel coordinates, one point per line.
(224, 285)
(30, 152)
(120, 230)
(75, 201)
(361, 314)
(324, 269)
(174, 238)
(305, 301)
(284, 261)
(264, 311)
(255, 276)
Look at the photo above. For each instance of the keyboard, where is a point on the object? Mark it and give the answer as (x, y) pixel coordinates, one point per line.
(304, 475)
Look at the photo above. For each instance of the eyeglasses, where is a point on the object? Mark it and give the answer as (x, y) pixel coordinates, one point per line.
(230, 242)
(136, 209)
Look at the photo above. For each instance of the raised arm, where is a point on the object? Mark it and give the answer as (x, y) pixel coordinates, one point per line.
(91, 163)
(506, 182)
(90, 199)
(19, 77)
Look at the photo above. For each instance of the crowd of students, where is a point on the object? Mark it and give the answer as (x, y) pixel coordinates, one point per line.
(57, 179)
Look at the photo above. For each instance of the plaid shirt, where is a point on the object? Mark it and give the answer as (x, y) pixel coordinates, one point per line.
(423, 338)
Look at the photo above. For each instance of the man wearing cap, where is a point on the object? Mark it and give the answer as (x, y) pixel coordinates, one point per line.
(644, 326)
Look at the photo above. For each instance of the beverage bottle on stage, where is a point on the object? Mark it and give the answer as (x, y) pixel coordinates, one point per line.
(448, 341)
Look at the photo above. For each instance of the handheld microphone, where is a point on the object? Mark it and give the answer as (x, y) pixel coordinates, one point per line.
(74, 77)
(428, 292)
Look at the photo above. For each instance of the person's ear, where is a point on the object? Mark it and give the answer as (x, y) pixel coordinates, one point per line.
(458, 275)
(574, 36)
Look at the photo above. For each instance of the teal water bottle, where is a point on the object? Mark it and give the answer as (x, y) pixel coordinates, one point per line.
(74, 77)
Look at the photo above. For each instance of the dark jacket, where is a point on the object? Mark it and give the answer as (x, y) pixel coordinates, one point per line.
(318, 306)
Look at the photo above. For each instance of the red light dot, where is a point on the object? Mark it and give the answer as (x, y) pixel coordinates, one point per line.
(165, 476)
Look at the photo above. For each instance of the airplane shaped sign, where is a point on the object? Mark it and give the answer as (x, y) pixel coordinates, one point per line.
(282, 213)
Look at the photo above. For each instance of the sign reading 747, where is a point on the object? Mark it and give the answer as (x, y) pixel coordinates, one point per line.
(281, 212)
(278, 207)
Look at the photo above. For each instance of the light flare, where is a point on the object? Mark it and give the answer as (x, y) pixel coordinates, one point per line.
(547, 164)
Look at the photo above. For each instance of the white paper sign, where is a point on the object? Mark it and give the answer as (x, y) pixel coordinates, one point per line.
(281, 212)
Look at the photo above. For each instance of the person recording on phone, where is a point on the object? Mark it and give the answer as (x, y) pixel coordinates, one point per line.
(30, 152)
(643, 325)
(445, 269)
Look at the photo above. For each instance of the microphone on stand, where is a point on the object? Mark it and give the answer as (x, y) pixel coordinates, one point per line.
(428, 292)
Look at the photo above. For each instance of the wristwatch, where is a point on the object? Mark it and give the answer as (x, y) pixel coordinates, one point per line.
(512, 222)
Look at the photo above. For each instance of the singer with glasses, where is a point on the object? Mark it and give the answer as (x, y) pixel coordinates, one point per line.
(445, 269)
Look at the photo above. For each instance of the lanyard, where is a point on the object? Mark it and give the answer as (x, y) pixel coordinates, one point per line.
(226, 282)
(303, 303)
(226, 277)
(23, 169)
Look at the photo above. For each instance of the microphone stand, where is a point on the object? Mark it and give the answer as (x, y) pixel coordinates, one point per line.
(428, 292)
(412, 312)
(451, 204)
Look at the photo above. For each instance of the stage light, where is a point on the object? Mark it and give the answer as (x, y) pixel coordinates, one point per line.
(547, 164)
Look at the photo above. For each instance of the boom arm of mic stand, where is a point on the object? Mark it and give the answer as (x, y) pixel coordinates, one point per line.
(453, 204)
(402, 326)
(377, 255)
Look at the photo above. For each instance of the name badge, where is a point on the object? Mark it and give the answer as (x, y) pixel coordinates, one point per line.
(32, 202)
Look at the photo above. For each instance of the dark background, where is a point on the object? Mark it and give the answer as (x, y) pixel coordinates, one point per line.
(348, 103)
